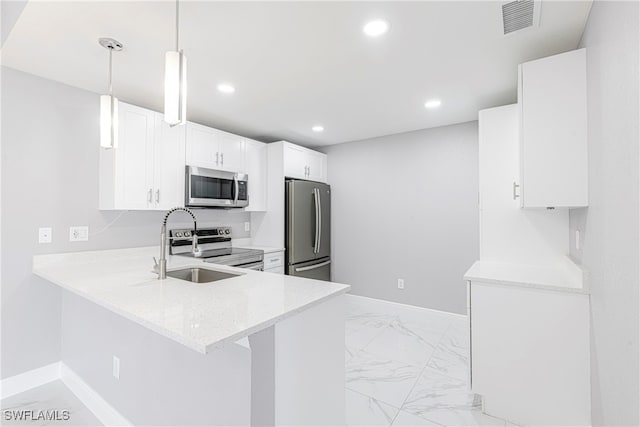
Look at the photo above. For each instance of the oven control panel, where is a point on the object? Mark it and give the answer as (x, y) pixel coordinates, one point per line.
(182, 237)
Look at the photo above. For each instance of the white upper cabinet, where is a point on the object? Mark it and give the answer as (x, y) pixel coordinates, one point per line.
(256, 168)
(303, 163)
(214, 149)
(202, 146)
(168, 165)
(552, 96)
(146, 170)
(232, 149)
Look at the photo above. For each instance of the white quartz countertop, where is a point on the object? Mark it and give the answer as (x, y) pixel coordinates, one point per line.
(563, 277)
(201, 316)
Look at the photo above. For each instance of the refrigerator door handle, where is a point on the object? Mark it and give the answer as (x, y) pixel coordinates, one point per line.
(316, 240)
(312, 267)
(319, 220)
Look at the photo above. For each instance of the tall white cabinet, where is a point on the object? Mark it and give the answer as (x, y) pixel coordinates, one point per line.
(552, 96)
(527, 301)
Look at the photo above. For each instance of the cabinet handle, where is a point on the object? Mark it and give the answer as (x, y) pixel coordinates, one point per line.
(308, 171)
(222, 159)
(217, 158)
(157, 196)
(515, 187)
(150, 195)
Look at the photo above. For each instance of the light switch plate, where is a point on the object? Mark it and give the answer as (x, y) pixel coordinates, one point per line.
(247, 226)
(78, 233)
(400, 283)
(44, 234)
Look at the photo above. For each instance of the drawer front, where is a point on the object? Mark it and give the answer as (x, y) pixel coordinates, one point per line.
(272, 260)
(279, 270)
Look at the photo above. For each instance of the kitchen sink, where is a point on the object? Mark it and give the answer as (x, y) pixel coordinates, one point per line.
(200, 275)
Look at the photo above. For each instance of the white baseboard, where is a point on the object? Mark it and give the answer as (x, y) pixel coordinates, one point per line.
(30, 379)
(415, 307)
(103, 411)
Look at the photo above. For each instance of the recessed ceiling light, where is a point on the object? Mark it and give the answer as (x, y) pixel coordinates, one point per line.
(317, 128)
(376, 28)
(433, 103)
(226, 88)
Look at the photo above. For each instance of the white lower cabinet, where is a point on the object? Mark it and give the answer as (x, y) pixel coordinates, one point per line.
(146, 170)
(274, 262)
(530, 354)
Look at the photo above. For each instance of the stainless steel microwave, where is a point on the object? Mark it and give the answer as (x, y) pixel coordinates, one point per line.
(215, 188)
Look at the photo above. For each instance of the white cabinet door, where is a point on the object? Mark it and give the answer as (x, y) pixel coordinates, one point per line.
(295, 161)
(553, 125)
(256, 168)
(303, 163)
(316, 166)
(133, 168)
(535, 342)
(202, 148)
(274, 261)
(231, 151)
(169, 165)
(507, 232)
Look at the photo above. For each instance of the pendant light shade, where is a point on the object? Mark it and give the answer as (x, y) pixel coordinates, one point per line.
(109, 103)
(108, 121)
(175, 88)
(175, 81)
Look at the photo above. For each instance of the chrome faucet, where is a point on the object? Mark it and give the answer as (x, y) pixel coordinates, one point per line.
(161, 266)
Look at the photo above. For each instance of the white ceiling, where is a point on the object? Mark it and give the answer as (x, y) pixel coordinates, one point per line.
(297, 64)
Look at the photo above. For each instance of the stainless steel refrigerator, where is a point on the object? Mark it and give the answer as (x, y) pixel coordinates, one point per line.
(308, 229)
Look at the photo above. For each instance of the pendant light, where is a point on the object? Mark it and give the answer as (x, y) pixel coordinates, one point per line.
(109, 103)
(175, 82)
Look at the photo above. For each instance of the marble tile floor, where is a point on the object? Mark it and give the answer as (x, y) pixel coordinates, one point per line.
(407, 366)
(54, 396)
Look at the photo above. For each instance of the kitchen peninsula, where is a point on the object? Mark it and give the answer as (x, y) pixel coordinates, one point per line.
(196, 332)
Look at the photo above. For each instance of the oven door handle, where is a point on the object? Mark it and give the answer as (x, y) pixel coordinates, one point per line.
(236, 189)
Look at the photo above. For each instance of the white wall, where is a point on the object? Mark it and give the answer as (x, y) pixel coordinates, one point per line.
(50, 143)
(609, 226)
(406, 206)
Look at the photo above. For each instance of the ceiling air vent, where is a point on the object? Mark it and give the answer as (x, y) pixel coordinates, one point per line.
(520, 14)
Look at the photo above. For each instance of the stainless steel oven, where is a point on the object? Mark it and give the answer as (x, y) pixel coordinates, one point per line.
(215, 188)
(215, 247)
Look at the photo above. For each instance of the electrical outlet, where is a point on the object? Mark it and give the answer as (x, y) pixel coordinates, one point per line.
(400, 283)
(116, 367)
(247, 226)
(78, 234)
(44, 235)
(577, 239)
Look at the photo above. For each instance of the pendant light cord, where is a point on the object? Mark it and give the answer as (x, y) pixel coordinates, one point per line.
(177, 24)
(110, 71)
